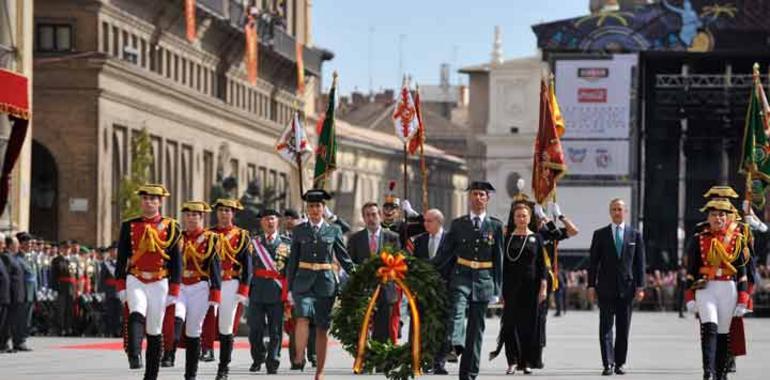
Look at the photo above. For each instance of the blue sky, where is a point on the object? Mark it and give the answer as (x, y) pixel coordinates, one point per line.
(431, 32)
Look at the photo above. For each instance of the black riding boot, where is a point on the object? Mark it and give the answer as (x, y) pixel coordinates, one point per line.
(170, 355)
(192, 353)
(135, 333)
(152, 356)
(721, 357)
(225, 353)
(708, 343)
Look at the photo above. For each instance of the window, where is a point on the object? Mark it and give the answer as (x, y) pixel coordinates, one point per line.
(54, 37)
(105, 38)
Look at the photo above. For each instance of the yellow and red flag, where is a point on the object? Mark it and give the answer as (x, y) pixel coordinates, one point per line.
(252, 55)
(548, 164)
(300, 68)
(189, 16)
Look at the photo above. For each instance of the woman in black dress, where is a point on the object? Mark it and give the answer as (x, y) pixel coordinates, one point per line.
(524, 287)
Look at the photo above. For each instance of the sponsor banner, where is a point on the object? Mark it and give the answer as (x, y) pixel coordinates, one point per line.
(595, 96)
(596, 157)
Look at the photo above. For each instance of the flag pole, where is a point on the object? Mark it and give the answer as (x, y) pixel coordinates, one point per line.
(406, 177)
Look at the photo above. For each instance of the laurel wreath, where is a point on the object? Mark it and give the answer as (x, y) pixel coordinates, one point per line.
(394, 361)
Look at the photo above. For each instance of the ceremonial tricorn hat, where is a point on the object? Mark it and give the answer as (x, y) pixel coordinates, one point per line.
(269, 212)
(718, 205)
(481, 185)
(391, 199)
(153, 189)
(226, 202)
(196, 206)
(721, 192)
(316, 195)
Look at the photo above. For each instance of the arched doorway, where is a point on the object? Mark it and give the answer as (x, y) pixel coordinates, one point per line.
(44, 197)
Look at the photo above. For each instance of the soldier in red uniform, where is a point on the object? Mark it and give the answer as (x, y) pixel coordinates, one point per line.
(148, 272)
(717, 283)
(201, 282)
(235, 251)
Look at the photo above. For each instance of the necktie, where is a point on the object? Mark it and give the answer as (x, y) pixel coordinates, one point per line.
(373, 244)
(476, 223)
(618, 241)
(315, 229)
(432, 246)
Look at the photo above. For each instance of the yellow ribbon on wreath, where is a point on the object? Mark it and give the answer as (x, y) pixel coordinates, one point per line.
(393, 269)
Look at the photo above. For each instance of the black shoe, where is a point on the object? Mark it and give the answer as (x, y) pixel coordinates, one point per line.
(168, 359)
(313, 362)
(24, 348)
(619, 370)
(525, 370)
(295, 367)
(707, 376)
(607, 371)
(255, 367)
(135, 362)
(452, 357)
(221, 376)
(440, 370)
(272, 369)
(207, 356)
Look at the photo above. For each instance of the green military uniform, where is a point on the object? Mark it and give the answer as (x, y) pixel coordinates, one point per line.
(474, 246)
(312, 281)
(267, 296)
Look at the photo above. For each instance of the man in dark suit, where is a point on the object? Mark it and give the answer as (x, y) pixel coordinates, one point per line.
(426, 245)
(16, 276)
(365, 244)
(108, 285)
(616, 274)
(5, 292)
(29, 265)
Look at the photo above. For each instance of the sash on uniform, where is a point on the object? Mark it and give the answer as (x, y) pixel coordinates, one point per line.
(267, 261)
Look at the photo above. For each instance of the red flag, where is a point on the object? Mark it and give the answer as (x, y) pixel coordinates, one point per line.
(548, 164)
(419, 137)
(300, 69)
(189, 16)
(251, 55)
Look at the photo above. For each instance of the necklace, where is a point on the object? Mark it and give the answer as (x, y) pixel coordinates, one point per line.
(521, 250)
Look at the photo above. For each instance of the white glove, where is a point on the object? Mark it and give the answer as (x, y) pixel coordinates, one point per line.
(755, 223)
(554, 210)
(329, 214)
(494, 300)
(740, 310)
(122, 295)
(691, 308)
(170, 300)
(290, 299)
(242, 299)
(408, 210)
(539, 213)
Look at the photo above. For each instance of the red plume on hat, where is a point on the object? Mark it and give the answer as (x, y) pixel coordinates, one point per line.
(390, 196)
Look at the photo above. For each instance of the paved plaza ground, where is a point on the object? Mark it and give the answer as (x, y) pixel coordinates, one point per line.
(662, 347)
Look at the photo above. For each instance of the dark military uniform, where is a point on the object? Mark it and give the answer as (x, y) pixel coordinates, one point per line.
(311, 278)
(108, 286)
(474, 248)
(63, 273)
(266, 298)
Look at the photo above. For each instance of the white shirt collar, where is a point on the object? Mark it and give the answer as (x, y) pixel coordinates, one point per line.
(622, 226)
(439, 233)
(319, 225)
(481, 216)
(272, 237)
(376, 232)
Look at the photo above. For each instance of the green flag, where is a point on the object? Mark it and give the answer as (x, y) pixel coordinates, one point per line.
(326, 153)
(755, 158)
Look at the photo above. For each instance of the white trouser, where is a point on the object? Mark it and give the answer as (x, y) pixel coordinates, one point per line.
(228, 306)
(191, 307)
(716, 304)
(149, 300)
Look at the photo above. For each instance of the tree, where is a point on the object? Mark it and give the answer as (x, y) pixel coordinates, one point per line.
(141, 164)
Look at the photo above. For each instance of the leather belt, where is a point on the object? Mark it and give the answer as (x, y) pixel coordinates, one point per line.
(149, 276)
(715, 274)
(474, 264)
(315, 266)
